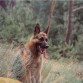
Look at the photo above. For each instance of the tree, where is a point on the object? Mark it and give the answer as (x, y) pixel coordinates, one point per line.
(5, 3)
(69, 29)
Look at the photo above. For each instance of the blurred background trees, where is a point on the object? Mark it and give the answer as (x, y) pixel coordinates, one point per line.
(18, 18)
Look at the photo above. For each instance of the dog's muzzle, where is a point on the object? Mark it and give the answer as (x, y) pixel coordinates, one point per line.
(44, 45)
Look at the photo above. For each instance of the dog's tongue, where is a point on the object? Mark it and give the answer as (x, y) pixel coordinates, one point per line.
(45, 54)
(43, 51)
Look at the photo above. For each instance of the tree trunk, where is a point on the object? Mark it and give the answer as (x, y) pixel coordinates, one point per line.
(69, 28)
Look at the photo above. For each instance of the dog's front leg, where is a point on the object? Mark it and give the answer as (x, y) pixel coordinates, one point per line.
(29, 80)
(38, 78)
(32, 78)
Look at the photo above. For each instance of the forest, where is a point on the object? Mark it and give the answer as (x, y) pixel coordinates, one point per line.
(17, 21)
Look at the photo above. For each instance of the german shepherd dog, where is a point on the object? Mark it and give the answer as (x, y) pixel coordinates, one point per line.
(32, 57)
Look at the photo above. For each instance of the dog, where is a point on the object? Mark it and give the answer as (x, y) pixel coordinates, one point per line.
(31, 59)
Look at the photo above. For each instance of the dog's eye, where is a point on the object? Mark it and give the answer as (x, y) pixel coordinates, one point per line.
(36, 37)
(41, 39)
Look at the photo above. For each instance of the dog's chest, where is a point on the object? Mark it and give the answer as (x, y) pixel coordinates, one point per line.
(35, 64)
(34, 67)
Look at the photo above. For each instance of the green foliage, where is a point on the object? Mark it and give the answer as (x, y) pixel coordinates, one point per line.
(17, 24)
(64, 50)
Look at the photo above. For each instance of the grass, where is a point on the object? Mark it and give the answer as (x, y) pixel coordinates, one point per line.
(63, 72)
(54, 71)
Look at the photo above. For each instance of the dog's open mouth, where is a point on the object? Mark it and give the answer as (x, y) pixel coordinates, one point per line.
(43, 51)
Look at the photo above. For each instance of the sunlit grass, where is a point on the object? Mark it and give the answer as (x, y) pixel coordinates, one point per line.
(7, 80)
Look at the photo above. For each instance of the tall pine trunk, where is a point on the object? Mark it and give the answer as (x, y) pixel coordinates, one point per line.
(69, 28)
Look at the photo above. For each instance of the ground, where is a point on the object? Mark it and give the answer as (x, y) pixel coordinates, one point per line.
(54, 71)
(62, 71)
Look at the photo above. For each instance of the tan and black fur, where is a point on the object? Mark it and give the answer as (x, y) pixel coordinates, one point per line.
(31, 58)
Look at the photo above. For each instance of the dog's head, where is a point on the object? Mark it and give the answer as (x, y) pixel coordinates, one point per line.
(41, 40)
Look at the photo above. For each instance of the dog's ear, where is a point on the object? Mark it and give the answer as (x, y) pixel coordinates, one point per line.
(46, 30)
(37, 29)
